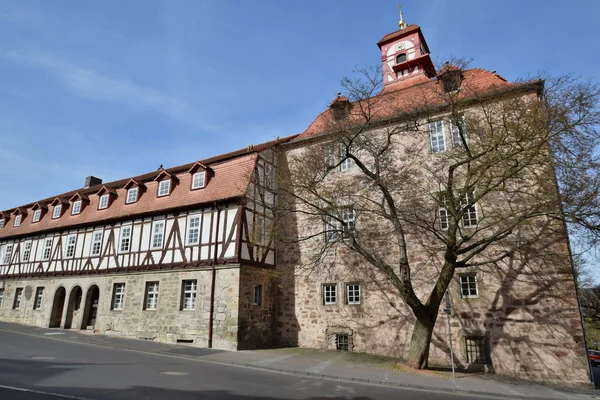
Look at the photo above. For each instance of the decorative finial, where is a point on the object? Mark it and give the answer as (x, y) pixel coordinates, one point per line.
(401, 24)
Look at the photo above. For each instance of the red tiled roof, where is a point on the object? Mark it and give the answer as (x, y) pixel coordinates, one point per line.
(414, 94)
(232, 172)
(391, 36)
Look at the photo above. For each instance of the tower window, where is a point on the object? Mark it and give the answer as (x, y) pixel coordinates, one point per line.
(400, 58)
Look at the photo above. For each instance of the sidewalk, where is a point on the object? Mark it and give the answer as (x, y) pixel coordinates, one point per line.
(324, 364)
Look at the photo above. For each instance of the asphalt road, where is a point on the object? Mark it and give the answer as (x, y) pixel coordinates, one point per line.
(39, 368)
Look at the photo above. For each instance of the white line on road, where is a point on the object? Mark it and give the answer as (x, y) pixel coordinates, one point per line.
(64, 396)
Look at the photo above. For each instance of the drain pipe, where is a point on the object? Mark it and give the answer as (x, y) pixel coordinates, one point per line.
(212, 282)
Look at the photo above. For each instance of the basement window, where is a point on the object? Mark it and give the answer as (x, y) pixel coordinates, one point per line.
(342, 341)
(476, 350)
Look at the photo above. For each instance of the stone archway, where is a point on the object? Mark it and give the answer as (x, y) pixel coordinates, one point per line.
(73, 306)
(57, 307)
(90, 314)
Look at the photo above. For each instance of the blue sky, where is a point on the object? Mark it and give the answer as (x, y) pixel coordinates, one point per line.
(116, 88)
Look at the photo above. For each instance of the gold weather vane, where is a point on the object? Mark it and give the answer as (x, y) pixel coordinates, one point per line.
(401, 24)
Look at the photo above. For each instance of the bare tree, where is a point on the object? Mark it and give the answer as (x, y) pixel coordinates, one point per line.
(416, 206)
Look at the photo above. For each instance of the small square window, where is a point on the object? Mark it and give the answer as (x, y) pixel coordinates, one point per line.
(103, 202)
(342, 342)
(18, 297)
(57, 211)
(353, 293)
(39, 295)
(198, 180)
(257, 301)
(468, 287)
(188, 294)
(37, 214)
(76, 208)
(151, 302)
(329, 294)
(476, 350)
(164, 187)
(118, 299)
(18, 220)
(132, 195)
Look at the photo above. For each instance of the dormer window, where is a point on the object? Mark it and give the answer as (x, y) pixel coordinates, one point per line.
(76, 208)
(198, 180)
(400, 58)
(37, 215)
(57, 211)
(1, 223)
(17, 220)
(132, 195)
(164, 187)
(103, 202)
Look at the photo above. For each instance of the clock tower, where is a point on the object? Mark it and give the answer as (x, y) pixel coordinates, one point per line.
(405, 54)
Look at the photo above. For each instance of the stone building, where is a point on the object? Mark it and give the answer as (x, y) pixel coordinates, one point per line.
(219, 252)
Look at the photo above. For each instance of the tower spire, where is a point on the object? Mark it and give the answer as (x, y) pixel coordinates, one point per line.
(401, 23)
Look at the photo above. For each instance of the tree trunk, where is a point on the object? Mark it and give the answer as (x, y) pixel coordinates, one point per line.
(418, 352)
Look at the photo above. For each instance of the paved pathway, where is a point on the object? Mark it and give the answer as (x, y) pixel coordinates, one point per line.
(325, 364)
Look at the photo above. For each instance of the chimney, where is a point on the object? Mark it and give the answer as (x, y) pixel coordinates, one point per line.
(92, 181)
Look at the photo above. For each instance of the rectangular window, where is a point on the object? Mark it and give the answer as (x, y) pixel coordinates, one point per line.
(158, 233)
(103, 202)
(198, 180)
(193, 235)
(469, 219)
(353, 293)
(26, 251)
(257, 301)
(443, 215)
(457, 140)
(329, 294)
(188, 294)
(125, 239)
(132, 195)
(346, 163)
(37, 214)
(333, 225)
(96, 243)
(39, 295)
(1, 223)
(151, 302)
(76, 208)
(468, 287)
(57, 210)
(1, 297)
(7, 253)
(70, 249)
(476, 350)
(18, 296)
(18, 220)
(47, 250)
(164, 187)
(342, 341)
(118, 299)
(436, 136)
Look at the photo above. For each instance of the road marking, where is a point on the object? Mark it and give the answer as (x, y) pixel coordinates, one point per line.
(53, 333)
(321, 366)
(173, 373)
(42, 358)
(64, 396)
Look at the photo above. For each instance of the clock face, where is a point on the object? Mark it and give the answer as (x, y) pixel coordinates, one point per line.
(400, 46)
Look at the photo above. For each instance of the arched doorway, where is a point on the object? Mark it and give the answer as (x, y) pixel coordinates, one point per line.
(57, 307)
(74, 305)
(91, 308)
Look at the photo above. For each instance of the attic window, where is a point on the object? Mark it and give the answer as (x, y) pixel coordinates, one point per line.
(1, 223)
(451, 80)
(103, 202)
(76, 208)
(57, 210)
(17, 220)
(132, 195)
(164, 187)
(400, 58)
(37, 214)
(198, 180)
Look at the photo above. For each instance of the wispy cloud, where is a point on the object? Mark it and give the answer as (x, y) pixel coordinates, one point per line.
(90, 84)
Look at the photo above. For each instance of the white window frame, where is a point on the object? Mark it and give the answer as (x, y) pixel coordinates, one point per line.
(152, 292)
(329, 294)
(346, 163)
(37, 215)
(47, 250)
(76, 209)
(257, 295)
(39, 296)
(70, 246)
(26, 251)
(470, 217)
(193, 230)
(444, 218)
(1, 296)
(96, 246)
(164, 188)
(158, 235)
(18, 219)
(437, 138)
(7, 254)
(123, 236)
(199, 180)
(469, 284)
(18, 298)
(103, 202)
(132, 195)
(118, 298)
(333, 226)
(189, 288)
(56, 212)
(353, 293)
(455, 138)
(1, 223)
